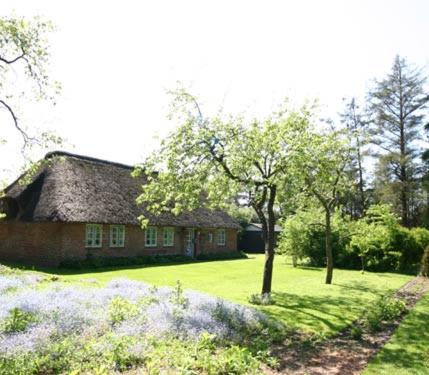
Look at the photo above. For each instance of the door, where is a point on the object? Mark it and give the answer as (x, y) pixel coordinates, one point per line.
(189, 242)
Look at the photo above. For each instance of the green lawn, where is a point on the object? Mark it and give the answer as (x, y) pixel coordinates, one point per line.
(303, 300)
(407, 352)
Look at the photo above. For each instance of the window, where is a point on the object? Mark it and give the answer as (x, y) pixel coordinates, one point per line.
(117, 236)
(93, 235)
(221, 237)
(150, 237)
(210, 237)
(168, 237)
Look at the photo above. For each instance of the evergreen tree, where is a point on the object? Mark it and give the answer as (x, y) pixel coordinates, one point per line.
(397, 104)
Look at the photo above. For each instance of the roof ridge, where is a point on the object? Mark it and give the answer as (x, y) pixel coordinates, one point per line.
(52, 154)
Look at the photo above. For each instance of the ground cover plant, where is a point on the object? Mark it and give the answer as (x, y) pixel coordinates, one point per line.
(300, 299)
(53, 327)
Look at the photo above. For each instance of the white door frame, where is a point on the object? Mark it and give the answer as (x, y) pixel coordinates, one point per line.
(189, 240)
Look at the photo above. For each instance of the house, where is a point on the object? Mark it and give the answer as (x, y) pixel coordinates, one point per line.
(77, 206)
(251, 239)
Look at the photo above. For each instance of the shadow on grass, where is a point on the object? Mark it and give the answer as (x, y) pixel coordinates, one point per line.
(324, 313)
(409, 348)
(70, 271)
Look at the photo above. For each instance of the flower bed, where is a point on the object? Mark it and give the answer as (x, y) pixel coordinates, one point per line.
(53, 327)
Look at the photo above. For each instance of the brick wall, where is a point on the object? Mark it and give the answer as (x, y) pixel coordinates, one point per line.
(204, 245)
(47, 244)
(135, 243)
(31, 243)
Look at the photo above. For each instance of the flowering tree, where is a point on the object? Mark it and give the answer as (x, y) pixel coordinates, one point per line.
(24, 59)
(323, 164)
(24, 53)
(213, 161)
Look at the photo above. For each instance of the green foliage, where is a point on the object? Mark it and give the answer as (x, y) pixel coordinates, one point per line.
(18, 320)
(178, 297)
(121, 309)
(106, 262)
(384, 244)
(110, 354)
(376, 242)
(222, 256)
(406, 352)
(386, 309)
(356, 332)
(303, 237)
(220, 157)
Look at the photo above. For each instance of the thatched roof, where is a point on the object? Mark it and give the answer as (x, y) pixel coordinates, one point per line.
(75, 188)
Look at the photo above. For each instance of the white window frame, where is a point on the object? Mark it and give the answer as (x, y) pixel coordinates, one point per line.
(147, 237)
(91, 242)
(221, 237)
(120, 240)
(210, 237)
(168, 240)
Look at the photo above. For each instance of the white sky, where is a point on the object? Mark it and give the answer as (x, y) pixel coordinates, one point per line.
(117, 59)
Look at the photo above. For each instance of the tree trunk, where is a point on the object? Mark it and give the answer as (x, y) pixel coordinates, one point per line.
(361, 190)
(269, 244)
(328, 245)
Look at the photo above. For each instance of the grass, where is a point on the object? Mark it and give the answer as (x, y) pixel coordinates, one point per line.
(302, 299)
(407, 352)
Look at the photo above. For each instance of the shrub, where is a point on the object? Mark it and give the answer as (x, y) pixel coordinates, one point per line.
(121, 309)
(386, 309)
(106, 262)
(356, 332)
(222, 256)
(17, 320)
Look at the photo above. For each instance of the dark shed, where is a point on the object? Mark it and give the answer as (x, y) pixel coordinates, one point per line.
(251, 240)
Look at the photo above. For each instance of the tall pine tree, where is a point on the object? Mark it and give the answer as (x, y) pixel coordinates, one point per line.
(398, 104)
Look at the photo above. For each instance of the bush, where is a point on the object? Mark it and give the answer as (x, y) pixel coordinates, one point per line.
(386, 309)
(303, 237)
(107, 262)
(376, 242)
(386, 246)
(222, 256)
(17, 320)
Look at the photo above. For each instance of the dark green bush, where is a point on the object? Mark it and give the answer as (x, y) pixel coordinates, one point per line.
(376, 242)
(386, 309)
(222, 256)
(106, 262)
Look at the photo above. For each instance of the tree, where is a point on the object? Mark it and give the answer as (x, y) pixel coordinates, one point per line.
(213, 160)
(323, 165)
(397, 103)
(356, 122)
(24, 52)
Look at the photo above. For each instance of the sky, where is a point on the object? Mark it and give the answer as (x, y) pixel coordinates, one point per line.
(117, 60)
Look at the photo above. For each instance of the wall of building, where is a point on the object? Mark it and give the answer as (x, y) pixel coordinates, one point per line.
(204, 246)
(135, 243)
(47, 244)
(31, 243)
